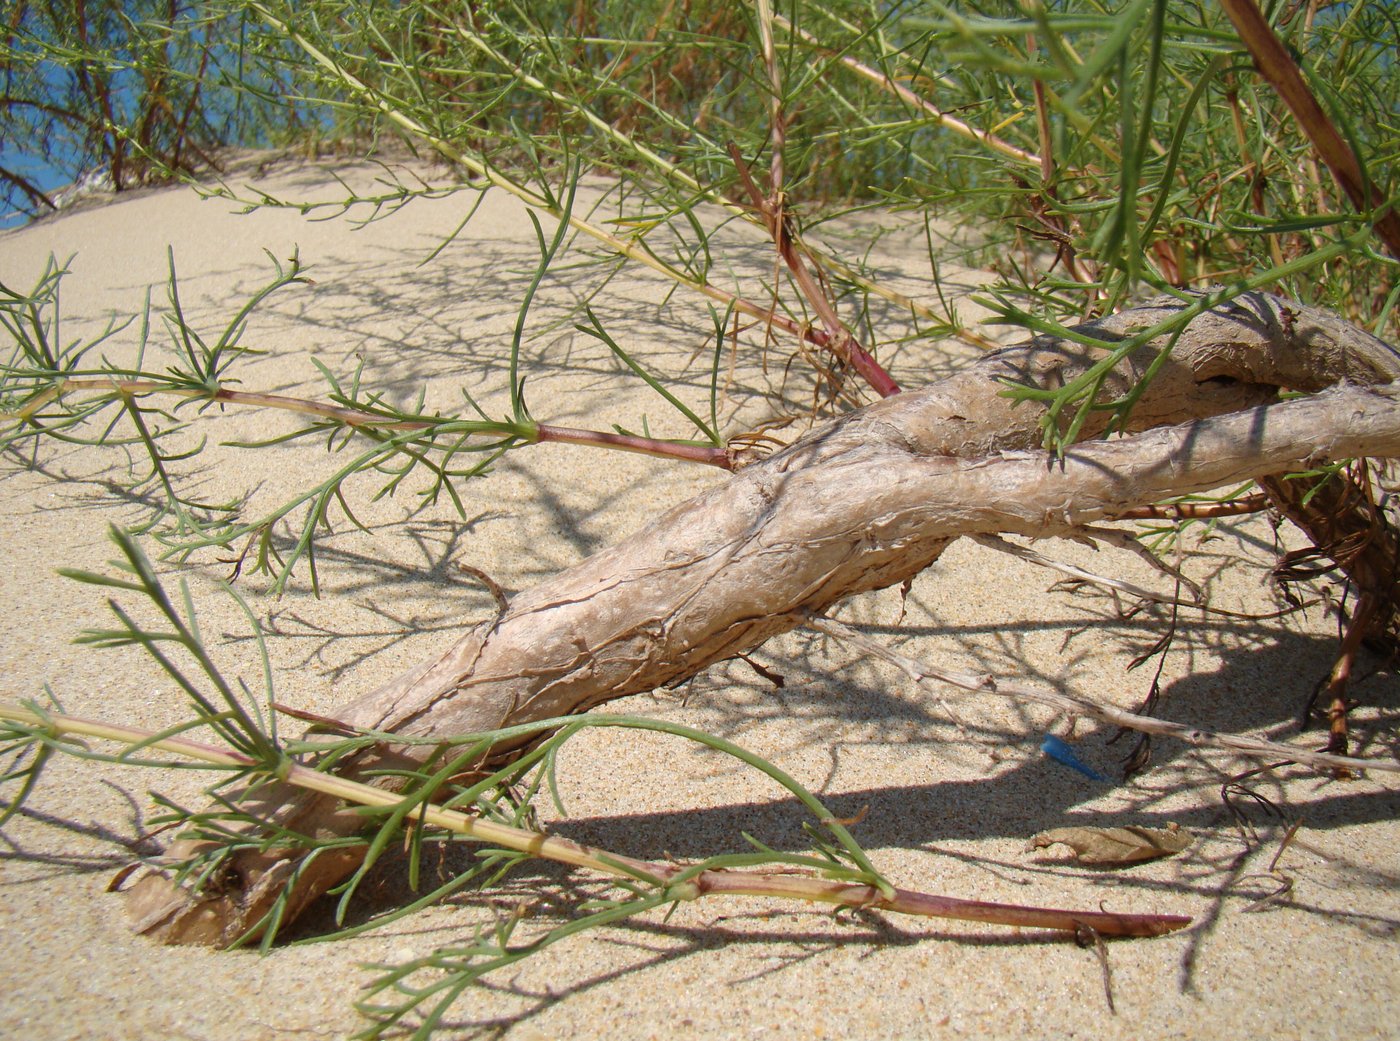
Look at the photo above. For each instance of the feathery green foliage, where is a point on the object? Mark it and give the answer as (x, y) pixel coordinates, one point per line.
(1102, 152)
(248, 751)
(1118, 150)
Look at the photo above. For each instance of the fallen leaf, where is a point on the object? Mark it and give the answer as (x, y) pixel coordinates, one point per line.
(1115, 845)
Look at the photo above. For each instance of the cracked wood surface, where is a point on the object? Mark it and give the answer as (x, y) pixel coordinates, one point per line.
(865, 502)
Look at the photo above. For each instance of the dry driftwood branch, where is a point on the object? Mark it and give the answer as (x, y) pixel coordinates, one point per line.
(1074, 705)
(866, 502)
(1078, 574)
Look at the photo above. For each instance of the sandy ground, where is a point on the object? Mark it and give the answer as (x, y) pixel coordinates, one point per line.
(950, 792)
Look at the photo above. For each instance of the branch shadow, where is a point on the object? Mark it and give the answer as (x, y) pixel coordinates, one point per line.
(1032, 788)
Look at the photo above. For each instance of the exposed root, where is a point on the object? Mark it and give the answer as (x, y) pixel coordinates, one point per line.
(874, 497)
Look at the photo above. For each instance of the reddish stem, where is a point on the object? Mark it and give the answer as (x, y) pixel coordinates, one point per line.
(1340, 677)
(710, 455)
(714, 882)
(1277, 66)
(929, 905)
(1198, 511)
(838, 338)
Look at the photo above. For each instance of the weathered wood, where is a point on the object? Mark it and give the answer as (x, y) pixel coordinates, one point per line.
(865, 502)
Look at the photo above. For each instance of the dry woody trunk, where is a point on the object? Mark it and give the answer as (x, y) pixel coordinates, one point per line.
(866, 502)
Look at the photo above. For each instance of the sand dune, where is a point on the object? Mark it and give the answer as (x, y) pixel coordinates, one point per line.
(950, 792)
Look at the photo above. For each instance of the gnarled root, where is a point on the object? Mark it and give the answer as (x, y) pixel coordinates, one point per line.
(863, 503)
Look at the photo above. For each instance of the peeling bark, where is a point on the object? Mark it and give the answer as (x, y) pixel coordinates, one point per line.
(866, 502)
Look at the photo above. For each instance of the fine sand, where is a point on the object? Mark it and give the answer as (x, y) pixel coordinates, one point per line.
(947, 793)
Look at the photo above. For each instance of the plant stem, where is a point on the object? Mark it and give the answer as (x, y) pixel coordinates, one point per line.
(631, 250)
(710, 455)
(838, 338)
(358, 418)
(947, 122)
(1255, 503)
(682, 884)
(1277, 66)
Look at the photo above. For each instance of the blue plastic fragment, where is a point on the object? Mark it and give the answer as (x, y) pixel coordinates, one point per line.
(1062, 753)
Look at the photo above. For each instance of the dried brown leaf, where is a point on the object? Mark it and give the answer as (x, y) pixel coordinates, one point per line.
(1115, 845)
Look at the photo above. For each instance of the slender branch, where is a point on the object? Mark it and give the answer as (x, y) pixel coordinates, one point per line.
(1127, 542)
(682, 884)
(632, 250)
(141, 387)
(947, 122)
(777, 117)
(710, 455)
(1340, 676)
(779, 223)
(1041, 203)
(1256, 503)
(996, 542)
(1277, 66)
(36, 195)
(695, 453)
(1198, 737)
(838, 337)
